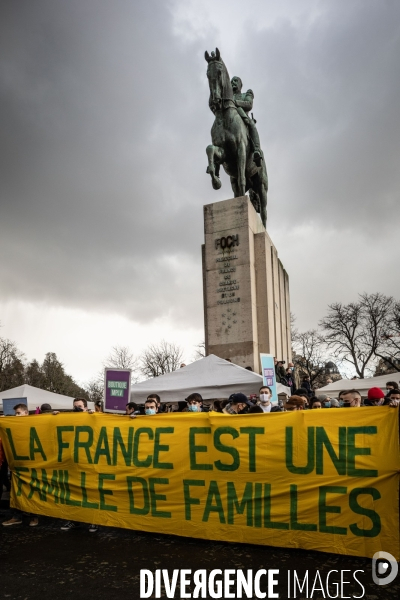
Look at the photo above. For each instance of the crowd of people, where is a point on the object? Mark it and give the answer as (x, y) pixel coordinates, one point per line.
(238, 403)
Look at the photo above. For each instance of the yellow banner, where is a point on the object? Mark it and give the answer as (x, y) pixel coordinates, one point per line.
(322, 480)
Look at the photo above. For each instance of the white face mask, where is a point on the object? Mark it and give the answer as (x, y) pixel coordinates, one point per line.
(265, 398)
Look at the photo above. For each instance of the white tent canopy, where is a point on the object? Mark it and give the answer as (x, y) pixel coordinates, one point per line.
(36, 397)
(212, 377)
(362, 385)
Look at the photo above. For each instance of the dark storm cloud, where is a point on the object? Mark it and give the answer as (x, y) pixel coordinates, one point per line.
(98, 113)
(330, 112)
(104, 126)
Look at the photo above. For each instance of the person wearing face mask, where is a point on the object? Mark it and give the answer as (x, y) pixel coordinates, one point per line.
(391, 385)
(151, 406)
(325, 400)
(237, 404)
(78, 405)
(351, 398)
(266, 403)
(194, 403)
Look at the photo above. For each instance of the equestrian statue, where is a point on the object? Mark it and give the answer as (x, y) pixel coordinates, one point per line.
(235, 140)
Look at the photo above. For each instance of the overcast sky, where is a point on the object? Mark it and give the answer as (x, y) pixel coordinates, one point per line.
(104, 124)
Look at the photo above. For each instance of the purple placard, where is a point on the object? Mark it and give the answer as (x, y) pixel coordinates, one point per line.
(117, 389)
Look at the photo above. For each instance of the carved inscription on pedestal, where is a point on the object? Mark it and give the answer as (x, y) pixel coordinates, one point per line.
(228, 283)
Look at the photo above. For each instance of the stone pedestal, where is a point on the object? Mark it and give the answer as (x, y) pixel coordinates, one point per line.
(246, 288)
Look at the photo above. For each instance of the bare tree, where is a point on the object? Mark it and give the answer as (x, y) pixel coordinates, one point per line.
(389, 340)
(121, 358)
(310, 356)
(11, 365)
(293, 329)
(94, 390)
(354, 331)
(160, 359)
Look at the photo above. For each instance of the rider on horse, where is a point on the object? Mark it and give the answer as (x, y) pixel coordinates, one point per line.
(244, 104)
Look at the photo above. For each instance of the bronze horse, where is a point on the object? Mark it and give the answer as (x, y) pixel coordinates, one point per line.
(231, 146)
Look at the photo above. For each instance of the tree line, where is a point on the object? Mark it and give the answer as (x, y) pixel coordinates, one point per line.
(364, 335)
(47, 375)
(50, 374)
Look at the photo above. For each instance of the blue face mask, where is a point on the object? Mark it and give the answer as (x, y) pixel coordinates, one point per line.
(327, 404)
(150, 411)
(194, 408)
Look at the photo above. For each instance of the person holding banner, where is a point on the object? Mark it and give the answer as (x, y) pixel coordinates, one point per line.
(20, 410)
(195, 402)
(266, 403)
(237, 403)
(152, 405)
(351, 399)
(295, 403)
(79, 406)
(131, 408)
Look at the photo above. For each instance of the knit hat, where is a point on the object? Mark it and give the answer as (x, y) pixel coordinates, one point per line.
(322, 397)
(375, 393)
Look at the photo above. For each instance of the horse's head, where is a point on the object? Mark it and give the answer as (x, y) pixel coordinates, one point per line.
(218, 79)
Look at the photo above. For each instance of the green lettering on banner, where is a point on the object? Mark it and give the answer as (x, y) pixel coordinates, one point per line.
(35, 445)
(126, 450)
(189, 501)
(51, 488)
(323, 509)
(104, 492)
(154, 497)
(353, 451)
(133, 509)
(85, 444)
(103, 447)
(366, 512)
(252, 432)
(310, 452)
(11, 442)
(233, 452)
(193, 449)
(294, 524)
(258, 505)
(147, 462)
(339, 461)
(17, 471)
(62, 486)
(60, 442)
(161, 448)
(85, 501)
(213, 493)
(246, 503)
(68, 500)
(268, 523)
(34, 484)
